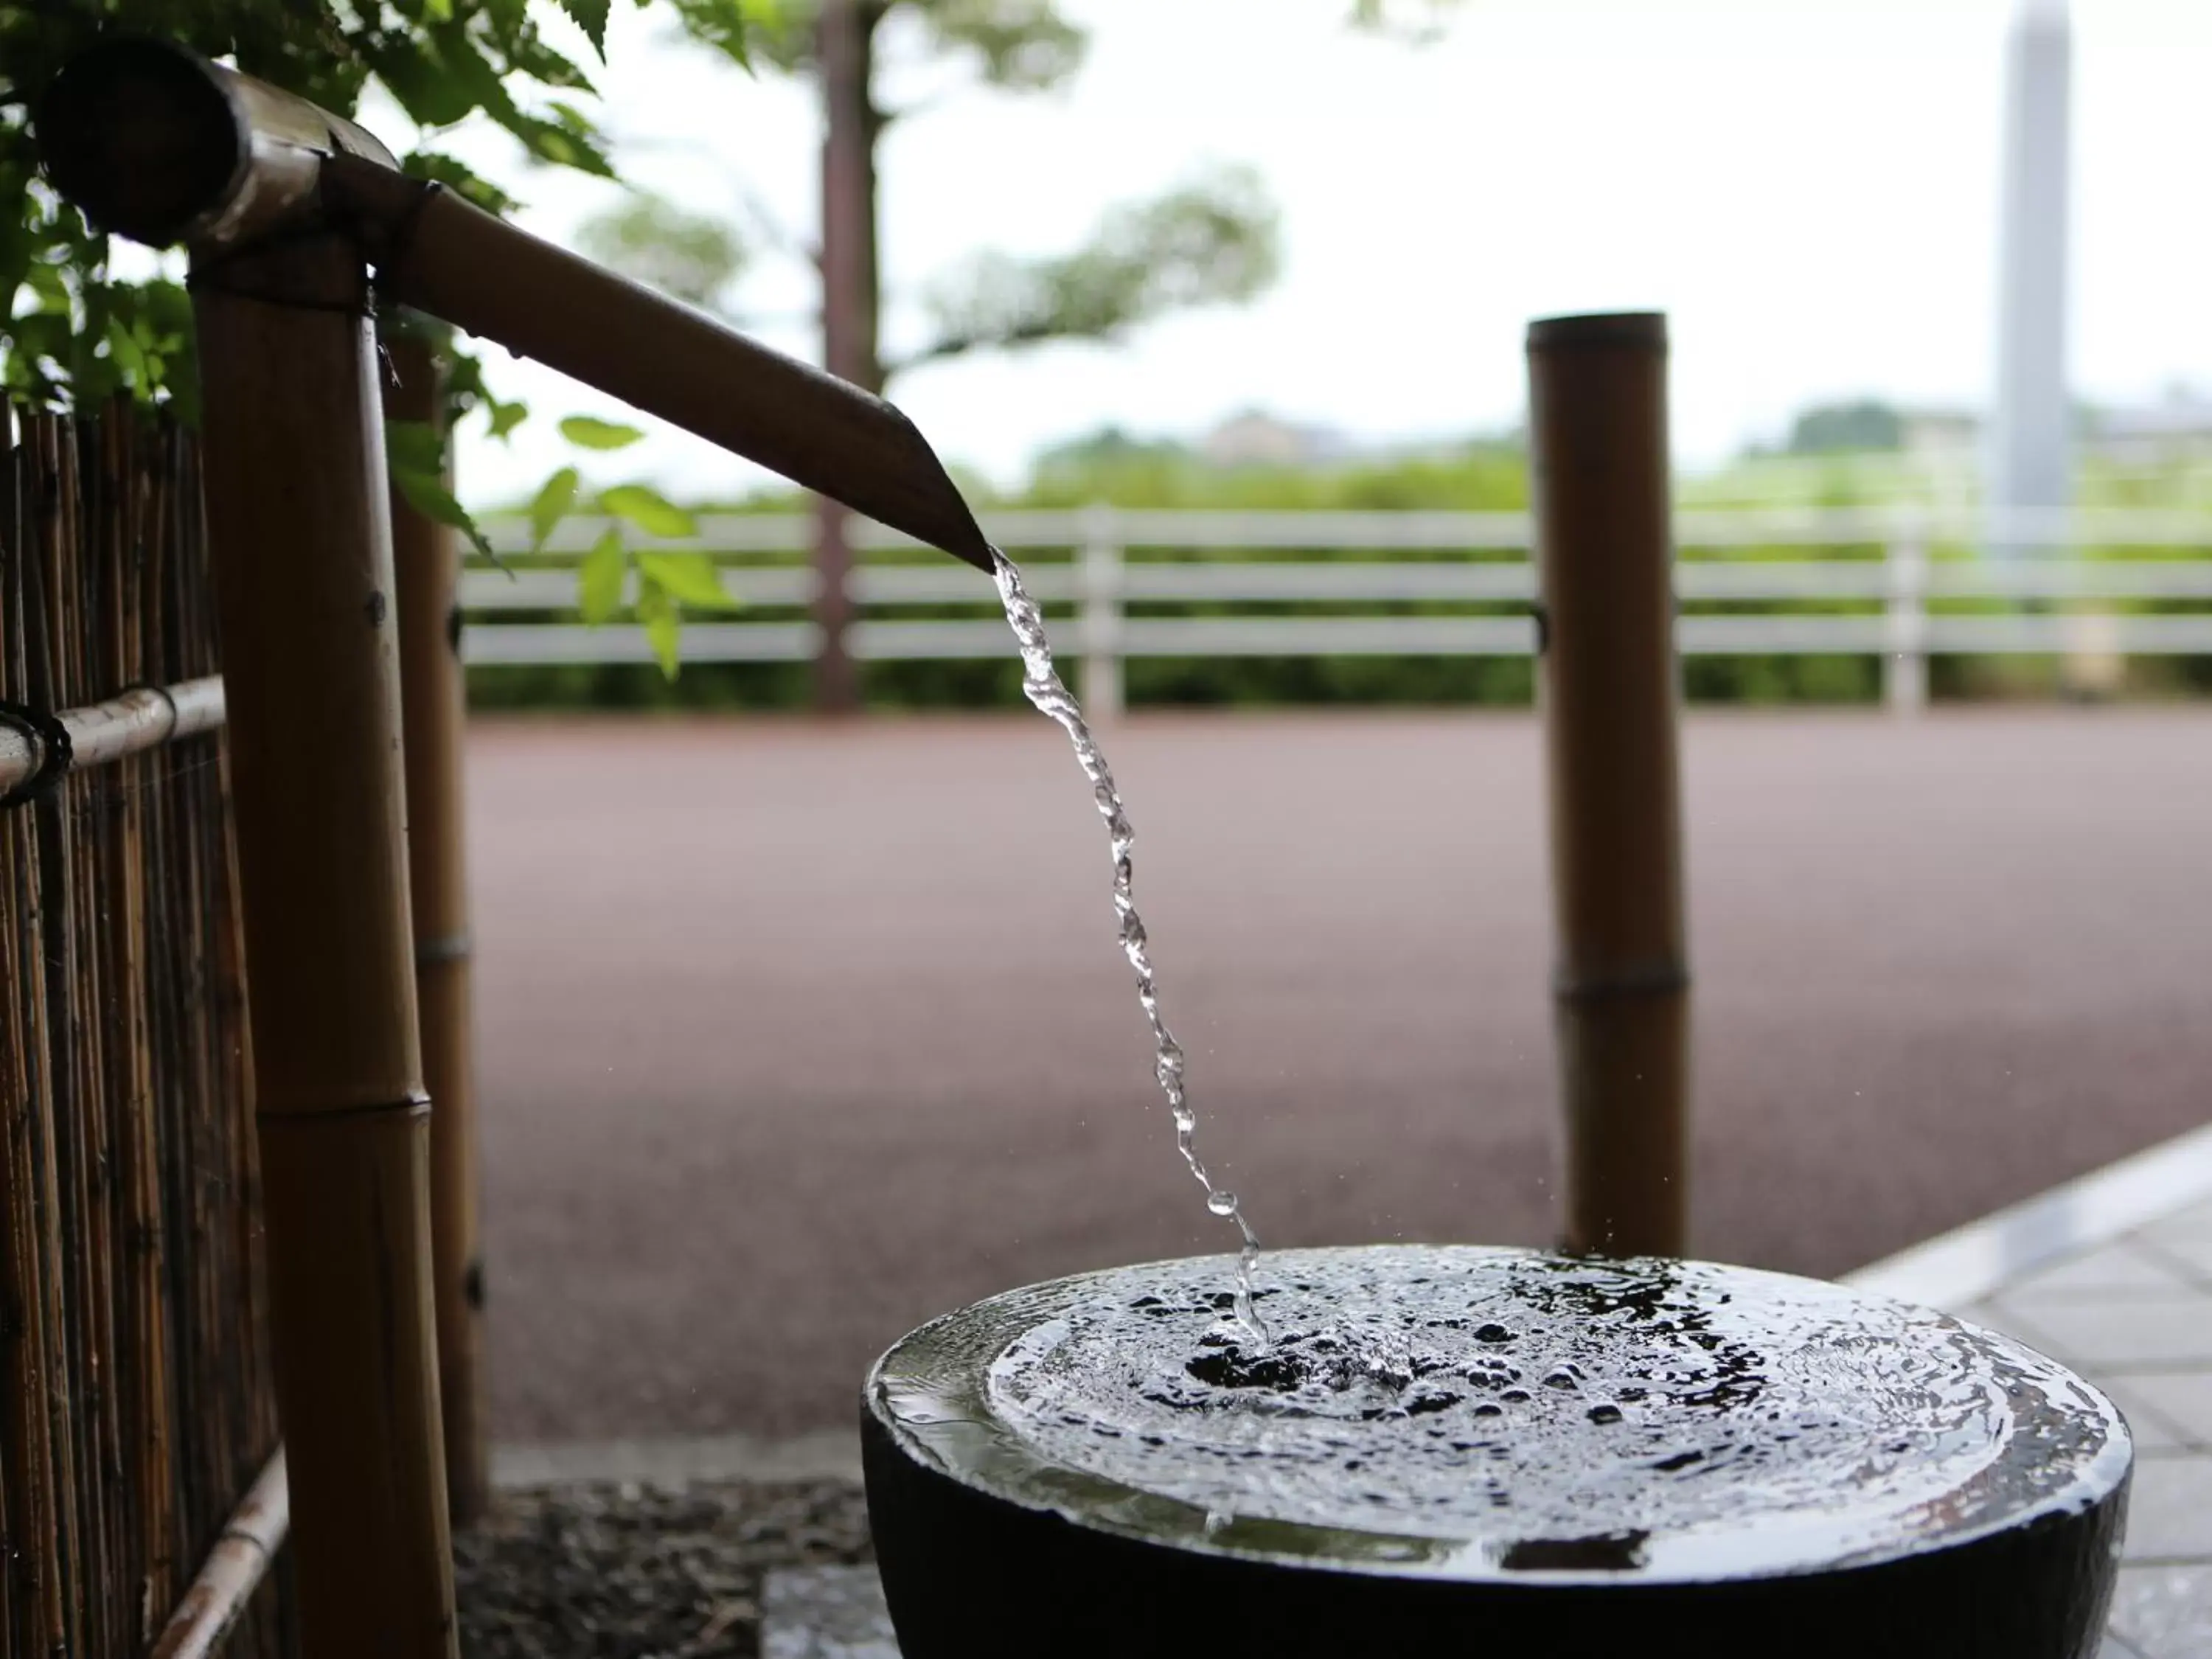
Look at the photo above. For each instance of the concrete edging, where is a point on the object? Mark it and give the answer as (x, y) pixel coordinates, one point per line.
(1974, 1260)
(824, 1454)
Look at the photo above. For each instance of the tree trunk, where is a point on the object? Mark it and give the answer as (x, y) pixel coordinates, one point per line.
(850, 298)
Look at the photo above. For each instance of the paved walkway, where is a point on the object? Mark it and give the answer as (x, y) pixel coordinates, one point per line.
(2113, 1275)
(794, 1038)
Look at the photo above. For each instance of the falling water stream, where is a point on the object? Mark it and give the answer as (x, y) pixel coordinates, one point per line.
(1042, 684)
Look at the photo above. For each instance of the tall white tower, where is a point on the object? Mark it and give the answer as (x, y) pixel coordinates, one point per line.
(2029, 454)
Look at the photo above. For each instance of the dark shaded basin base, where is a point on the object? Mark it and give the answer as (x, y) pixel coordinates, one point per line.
(1477, 1452)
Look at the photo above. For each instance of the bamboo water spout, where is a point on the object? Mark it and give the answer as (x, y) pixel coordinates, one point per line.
(156, 143)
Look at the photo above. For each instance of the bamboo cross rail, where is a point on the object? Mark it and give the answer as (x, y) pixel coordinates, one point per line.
(232, 1572)
(139, 719)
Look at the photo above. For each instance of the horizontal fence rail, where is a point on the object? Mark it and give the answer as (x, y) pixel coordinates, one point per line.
(131, 724)
(1899, 584)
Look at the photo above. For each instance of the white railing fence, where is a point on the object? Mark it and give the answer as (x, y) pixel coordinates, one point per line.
(1906, 595)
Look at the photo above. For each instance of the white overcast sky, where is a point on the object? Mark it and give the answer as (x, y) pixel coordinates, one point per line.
(1807, 186)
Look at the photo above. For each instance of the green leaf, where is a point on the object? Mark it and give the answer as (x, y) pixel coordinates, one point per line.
(425, 84)
(591, 17)
(599, 579)
(648, 509)
(427, 494)
(663, 626)
(127, 353)
(729, 25)
(689, 578)
(569, 141)
(460, 179)
(532, 56)
(555, 497)
(588, 432)
(505, 417)
(47, 281)
(414, 446)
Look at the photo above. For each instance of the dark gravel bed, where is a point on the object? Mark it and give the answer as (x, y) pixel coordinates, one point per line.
(634, 1572)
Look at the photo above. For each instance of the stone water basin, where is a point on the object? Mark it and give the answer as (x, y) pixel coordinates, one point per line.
(1469, 1450)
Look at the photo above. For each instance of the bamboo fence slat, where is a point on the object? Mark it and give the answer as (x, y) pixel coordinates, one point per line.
(137, 1403)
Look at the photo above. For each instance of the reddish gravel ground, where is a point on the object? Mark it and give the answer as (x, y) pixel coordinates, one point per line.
(795, 1034)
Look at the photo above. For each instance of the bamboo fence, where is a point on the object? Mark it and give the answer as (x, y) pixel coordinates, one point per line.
(136, 1399)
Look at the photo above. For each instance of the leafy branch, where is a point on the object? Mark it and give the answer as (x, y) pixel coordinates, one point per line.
(663, 581)
(75, 335)
(1214, 240)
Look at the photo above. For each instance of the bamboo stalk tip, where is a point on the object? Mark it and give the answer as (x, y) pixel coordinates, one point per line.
(141, 134)
(1621, 330)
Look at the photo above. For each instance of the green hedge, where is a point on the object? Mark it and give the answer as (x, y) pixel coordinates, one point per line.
(1481, 476)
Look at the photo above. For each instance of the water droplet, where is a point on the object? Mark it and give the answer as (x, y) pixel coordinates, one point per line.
(1221, 1202)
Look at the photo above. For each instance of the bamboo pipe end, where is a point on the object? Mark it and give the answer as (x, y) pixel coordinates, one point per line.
(143, 136)
(1644, 331)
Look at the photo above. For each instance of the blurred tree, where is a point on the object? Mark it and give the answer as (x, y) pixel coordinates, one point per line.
(1413, 20)
(1831, 429)
(1212, 240)
(692, 257)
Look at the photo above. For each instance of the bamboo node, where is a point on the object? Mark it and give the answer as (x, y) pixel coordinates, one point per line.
(446, 947)
(260, 270)
(1662, 979)
(416, 1104)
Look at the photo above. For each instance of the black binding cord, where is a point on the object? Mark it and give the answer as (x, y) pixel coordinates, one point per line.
(55, 750)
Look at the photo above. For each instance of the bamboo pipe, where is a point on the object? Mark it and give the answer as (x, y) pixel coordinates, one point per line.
(154, 143)
(436, 252)
(300, 530)
(232, 1572)
(131, 724)
(1608, 684)
(426, 564)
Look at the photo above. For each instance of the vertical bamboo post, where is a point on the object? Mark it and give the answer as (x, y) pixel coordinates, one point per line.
(433, 698)
(300, 532)
(1609, 685)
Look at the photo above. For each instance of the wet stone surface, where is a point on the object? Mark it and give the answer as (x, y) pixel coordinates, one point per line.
(632, 1572)
(1506, 1410)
